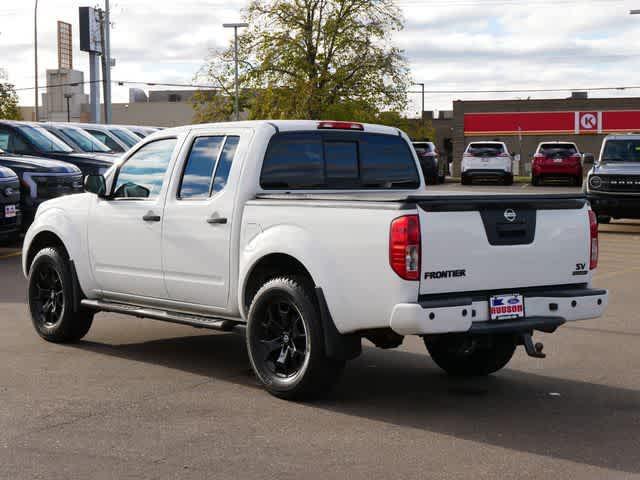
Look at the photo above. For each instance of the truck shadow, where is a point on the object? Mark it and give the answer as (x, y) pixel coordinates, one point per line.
(581, 422)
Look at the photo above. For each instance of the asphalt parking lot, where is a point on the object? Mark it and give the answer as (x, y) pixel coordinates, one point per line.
(143, 399)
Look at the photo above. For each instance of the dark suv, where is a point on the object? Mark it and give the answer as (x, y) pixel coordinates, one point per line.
(10, 217)
(22, 138)
(41, 179)
(433, 168)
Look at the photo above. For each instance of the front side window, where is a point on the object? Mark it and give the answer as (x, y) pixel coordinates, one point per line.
(43, 140)
(85, 141)
(107, 140)
(125, 137)
(142, 176)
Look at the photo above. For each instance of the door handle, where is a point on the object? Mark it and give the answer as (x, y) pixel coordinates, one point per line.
(151, 217)
(217, 221)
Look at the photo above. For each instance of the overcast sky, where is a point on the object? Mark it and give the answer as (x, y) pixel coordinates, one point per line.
(450, 44)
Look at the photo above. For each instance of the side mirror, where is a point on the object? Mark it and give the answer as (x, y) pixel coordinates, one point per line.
(95, 184)
(588, 159)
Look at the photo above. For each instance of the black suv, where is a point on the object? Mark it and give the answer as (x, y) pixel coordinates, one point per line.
(41, 179)
(22, 138)
(9, 205)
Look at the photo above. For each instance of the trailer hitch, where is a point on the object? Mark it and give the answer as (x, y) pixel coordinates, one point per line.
(533, 350)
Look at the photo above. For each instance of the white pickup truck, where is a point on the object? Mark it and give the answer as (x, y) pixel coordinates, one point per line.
(311, 235)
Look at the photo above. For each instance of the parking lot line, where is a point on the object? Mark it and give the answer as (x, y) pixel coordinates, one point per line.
(10, 255)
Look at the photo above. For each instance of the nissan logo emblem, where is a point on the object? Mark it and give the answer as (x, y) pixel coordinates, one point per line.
(510, 214)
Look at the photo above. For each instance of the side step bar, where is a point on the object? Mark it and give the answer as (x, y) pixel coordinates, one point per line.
(197, 321)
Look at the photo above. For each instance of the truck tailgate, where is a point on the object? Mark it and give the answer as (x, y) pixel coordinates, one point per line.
(503, 242)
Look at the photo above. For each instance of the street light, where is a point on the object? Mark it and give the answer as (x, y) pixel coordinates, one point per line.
(236, 26)
(35, 48)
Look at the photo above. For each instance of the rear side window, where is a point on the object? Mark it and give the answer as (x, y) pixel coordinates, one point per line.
(208, 155)
(338, 160)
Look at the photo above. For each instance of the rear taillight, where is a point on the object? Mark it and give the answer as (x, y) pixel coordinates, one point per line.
(593, 226)
(504, 155)
(467, 154)
(404, 247)
(538, 157)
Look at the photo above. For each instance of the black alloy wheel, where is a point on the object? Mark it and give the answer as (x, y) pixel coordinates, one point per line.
(285, 341)
(282, 336)
(46, 296)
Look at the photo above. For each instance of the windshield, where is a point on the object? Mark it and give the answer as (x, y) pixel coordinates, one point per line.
(124, 136)
(485, 149)
(43, 140)
(85, 141)
(621, 151)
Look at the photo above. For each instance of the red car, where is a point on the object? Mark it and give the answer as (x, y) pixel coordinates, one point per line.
(557, 160)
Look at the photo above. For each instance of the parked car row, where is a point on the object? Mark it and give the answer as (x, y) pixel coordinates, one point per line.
(41, 161)
(554, 160)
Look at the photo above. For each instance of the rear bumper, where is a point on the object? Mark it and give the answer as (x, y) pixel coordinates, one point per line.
(615, 205)
(572, 170)
(545, 310)
(486, 173)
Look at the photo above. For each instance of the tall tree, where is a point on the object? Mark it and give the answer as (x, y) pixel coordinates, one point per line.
(8, 100)
(312, 59)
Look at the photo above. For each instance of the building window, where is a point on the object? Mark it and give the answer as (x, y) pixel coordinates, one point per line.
(174, 97)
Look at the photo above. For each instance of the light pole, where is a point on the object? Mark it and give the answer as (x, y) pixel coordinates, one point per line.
(107, 57)
(35, 48)
(68, 97)
(422, 109)
(236, 101)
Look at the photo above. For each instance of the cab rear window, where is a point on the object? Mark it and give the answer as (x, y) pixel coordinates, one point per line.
(486, 149)
(338, 160)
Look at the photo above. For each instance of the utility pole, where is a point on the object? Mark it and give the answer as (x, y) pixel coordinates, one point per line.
(106, 55)
(35, 48)
(236, 101)
(422, 108)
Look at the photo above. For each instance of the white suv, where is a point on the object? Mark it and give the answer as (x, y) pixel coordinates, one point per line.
(487, 160)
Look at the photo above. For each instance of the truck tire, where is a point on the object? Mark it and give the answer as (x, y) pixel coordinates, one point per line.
(508, 179)
(465, 180)
(450, 354)
(285, 341)
(535, 180)
(441, 179)
(50, 295)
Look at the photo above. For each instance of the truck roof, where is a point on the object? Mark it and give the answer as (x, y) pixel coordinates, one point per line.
(283, 126)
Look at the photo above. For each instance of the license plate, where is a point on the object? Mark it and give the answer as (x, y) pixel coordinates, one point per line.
(9, 211)
(506, 307)
(558, 160)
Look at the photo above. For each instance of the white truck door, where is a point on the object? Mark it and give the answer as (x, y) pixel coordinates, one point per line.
(125, 230)
(198, 222)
